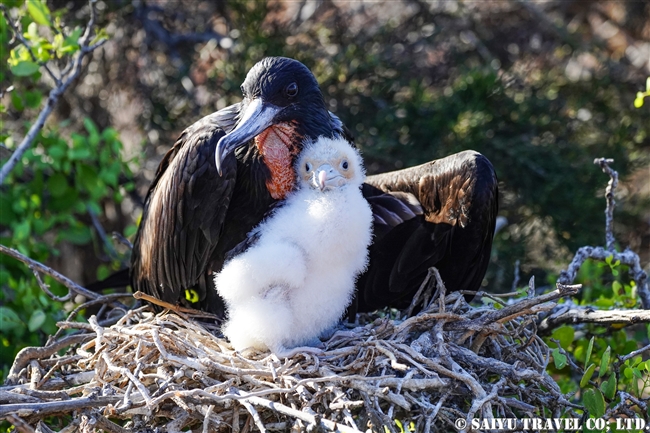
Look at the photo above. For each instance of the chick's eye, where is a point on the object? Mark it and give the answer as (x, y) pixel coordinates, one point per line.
(344, 164)
(291, 90)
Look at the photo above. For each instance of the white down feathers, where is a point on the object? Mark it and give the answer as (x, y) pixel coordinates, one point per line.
(297, 279)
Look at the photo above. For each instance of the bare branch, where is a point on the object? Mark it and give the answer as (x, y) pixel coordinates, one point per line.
(574, 315)
(28, 353)
(611, 203)
(52, 407)
(39, 267)
(627, 257)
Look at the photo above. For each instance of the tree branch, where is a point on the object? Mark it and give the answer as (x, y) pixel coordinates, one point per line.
(627, 257)
(575, 315)
(66, 406)
(39, 267)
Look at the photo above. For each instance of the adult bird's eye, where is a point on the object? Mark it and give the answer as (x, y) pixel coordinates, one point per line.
(344, 164)
(291, 90)
(308, 167)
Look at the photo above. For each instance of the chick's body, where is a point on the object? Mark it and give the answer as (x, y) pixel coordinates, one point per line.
(297, 279)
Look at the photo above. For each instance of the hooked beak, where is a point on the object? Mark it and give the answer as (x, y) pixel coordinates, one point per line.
(326, 178)
(257, 116)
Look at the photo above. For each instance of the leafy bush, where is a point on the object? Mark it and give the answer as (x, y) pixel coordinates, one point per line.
(599, 368)
(63, 178)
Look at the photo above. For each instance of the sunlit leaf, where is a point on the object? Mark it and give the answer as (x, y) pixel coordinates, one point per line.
(39, 11)
(638, 102)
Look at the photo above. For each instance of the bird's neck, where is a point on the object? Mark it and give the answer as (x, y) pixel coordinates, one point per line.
(279, 145)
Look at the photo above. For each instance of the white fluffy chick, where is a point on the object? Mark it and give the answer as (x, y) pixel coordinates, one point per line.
(298, 277)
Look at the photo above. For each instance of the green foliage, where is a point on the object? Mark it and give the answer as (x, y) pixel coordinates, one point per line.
(68, 172)
(24, 62)
(597, 349)
(60, 181)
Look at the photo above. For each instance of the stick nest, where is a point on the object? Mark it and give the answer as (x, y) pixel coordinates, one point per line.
(167, 372)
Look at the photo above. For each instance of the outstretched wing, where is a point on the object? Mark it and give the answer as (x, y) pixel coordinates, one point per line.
(184, 212)
(458, 198)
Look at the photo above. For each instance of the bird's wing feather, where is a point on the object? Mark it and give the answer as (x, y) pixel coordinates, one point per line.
(184, 211)
(458, 197)
(390, 209)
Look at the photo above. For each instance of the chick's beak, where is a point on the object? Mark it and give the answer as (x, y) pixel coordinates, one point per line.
(326, 178)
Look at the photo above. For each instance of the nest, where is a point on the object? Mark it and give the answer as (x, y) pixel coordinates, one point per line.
(433, 371)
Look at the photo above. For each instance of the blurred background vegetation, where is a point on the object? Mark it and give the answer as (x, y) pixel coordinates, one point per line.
(540, 88)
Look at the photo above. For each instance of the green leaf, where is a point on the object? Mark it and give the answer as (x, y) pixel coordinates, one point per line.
(565, 335)
(130, 230)
(32, 32)
(9, 319)
(22, 230)
(559, 359)
(78, 153)
(628, 373)
(24, 68)
(608, 387)
(57, 185)
(39, 11)
(587, 376)
(33, 99)
(36, 321)
(72, 41)
(638, 102)
(590, 348)
(604, 362)
(79, 235)
(594, 402)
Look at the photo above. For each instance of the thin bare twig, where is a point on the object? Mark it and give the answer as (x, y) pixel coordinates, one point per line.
(39, 267)
(611, 203)
(574, 315)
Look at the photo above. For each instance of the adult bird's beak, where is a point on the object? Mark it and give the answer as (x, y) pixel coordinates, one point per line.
(257, 116)
(325, 177)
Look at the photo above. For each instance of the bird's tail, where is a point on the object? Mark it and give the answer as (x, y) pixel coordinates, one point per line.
(119, 279)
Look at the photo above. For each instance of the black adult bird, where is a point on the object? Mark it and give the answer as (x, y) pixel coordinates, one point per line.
(228, 169)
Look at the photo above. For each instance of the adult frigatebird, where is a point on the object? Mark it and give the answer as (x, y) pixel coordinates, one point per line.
(226, 171)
